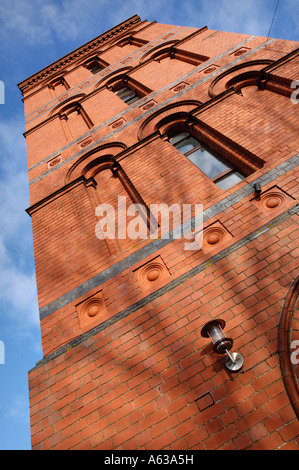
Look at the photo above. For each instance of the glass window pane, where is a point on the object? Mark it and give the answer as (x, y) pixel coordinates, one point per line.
(127, 99)
(124, 92)
(207, 162)
(186, 145)
(96, 69)
(133, 99)
(178, 137)
(230, 180)
(127, 95)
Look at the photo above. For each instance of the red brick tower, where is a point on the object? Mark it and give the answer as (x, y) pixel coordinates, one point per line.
(149, 114)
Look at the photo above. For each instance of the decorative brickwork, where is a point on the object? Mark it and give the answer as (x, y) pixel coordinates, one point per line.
(91, 312)
(152, 275)
(147, 115)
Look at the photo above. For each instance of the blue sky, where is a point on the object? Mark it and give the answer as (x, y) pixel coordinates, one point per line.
(33, 34)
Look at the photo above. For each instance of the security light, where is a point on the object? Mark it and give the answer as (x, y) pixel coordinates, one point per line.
(222, 344)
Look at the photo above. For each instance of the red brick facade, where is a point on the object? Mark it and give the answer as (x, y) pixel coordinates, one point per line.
(124, 364)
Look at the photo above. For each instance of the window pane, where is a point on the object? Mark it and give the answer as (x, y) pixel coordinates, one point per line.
(127, 95)
(133, 99)
(128, 98)
(96, 69)
(186, 145)
(178, 137)
(124, 92)
(207, 162)
(230, 180)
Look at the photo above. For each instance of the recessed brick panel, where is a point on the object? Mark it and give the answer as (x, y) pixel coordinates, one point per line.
(152, 275)
(273, 201)
(92, 311)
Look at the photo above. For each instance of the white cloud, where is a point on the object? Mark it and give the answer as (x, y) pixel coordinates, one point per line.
(18, 291)
(43, 21)
(40, 22)
(17, 280)
(24, 19)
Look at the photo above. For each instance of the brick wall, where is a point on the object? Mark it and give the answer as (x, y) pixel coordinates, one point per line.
(124, 365)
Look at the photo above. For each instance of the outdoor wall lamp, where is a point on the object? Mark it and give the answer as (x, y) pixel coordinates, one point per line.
(257, 188)
(222, 344)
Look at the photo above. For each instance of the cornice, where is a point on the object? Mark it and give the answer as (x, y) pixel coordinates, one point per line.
(78, 53)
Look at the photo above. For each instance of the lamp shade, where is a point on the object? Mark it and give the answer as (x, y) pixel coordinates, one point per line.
(214, 330)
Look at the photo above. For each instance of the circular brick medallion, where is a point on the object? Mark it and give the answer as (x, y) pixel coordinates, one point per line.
(213, 235)
(151, 272)
(92, 308)
(272, 200)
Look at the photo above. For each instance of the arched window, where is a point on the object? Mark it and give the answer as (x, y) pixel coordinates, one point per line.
(94, 67)
(171, 52)
(74, 119)
(127, 89)
(132, 41)
(221, 171)
(95, 64)
(58, 86)
(128, 95)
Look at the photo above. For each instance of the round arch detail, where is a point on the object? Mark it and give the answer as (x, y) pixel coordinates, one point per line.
(160, 119)
(91, 162)
(246, 71)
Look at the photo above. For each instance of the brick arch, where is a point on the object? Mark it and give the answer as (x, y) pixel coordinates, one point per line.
(96, 59)
(164, 48)
(175, 112)
(289, 315)
(88, 57)
(54, 77)
(181, 116)
(248, 71)
(169, 50)
(103, 158)
(110, 78)
(86, 165)
(123, 37)
(67, 104)
(131, 39)
(59, 76)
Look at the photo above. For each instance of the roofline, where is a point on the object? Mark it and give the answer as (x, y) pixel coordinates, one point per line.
(133, 19)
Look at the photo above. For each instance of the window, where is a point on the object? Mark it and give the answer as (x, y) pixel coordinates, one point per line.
(94, 67)
(222, 172)
(127, 95)
(95, 64)
(59, 86)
